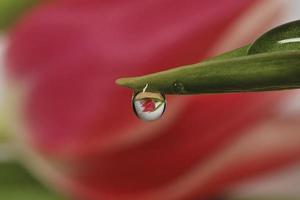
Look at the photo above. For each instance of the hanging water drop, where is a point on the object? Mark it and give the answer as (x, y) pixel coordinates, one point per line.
(148, 106)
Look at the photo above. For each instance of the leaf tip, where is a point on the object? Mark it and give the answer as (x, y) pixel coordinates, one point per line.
(122, 81)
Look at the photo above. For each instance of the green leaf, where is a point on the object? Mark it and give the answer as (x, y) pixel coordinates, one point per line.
(270, 71)
(17, 184)
(12, 10)
(265, 65)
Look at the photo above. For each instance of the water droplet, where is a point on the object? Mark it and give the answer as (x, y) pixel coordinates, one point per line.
(148, 106)
(178, 87)
(283, 37)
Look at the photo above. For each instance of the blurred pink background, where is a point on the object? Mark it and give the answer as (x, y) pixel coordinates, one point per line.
(279, 183)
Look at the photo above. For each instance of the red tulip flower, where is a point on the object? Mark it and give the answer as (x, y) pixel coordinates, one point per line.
(62, 62)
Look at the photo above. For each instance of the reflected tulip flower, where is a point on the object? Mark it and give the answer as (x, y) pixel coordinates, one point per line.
(77, 128)
(148, 105)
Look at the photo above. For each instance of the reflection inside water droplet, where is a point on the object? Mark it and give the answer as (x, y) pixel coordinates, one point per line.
(148, 106)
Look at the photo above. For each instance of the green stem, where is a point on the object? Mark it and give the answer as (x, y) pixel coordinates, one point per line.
(259, 72)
